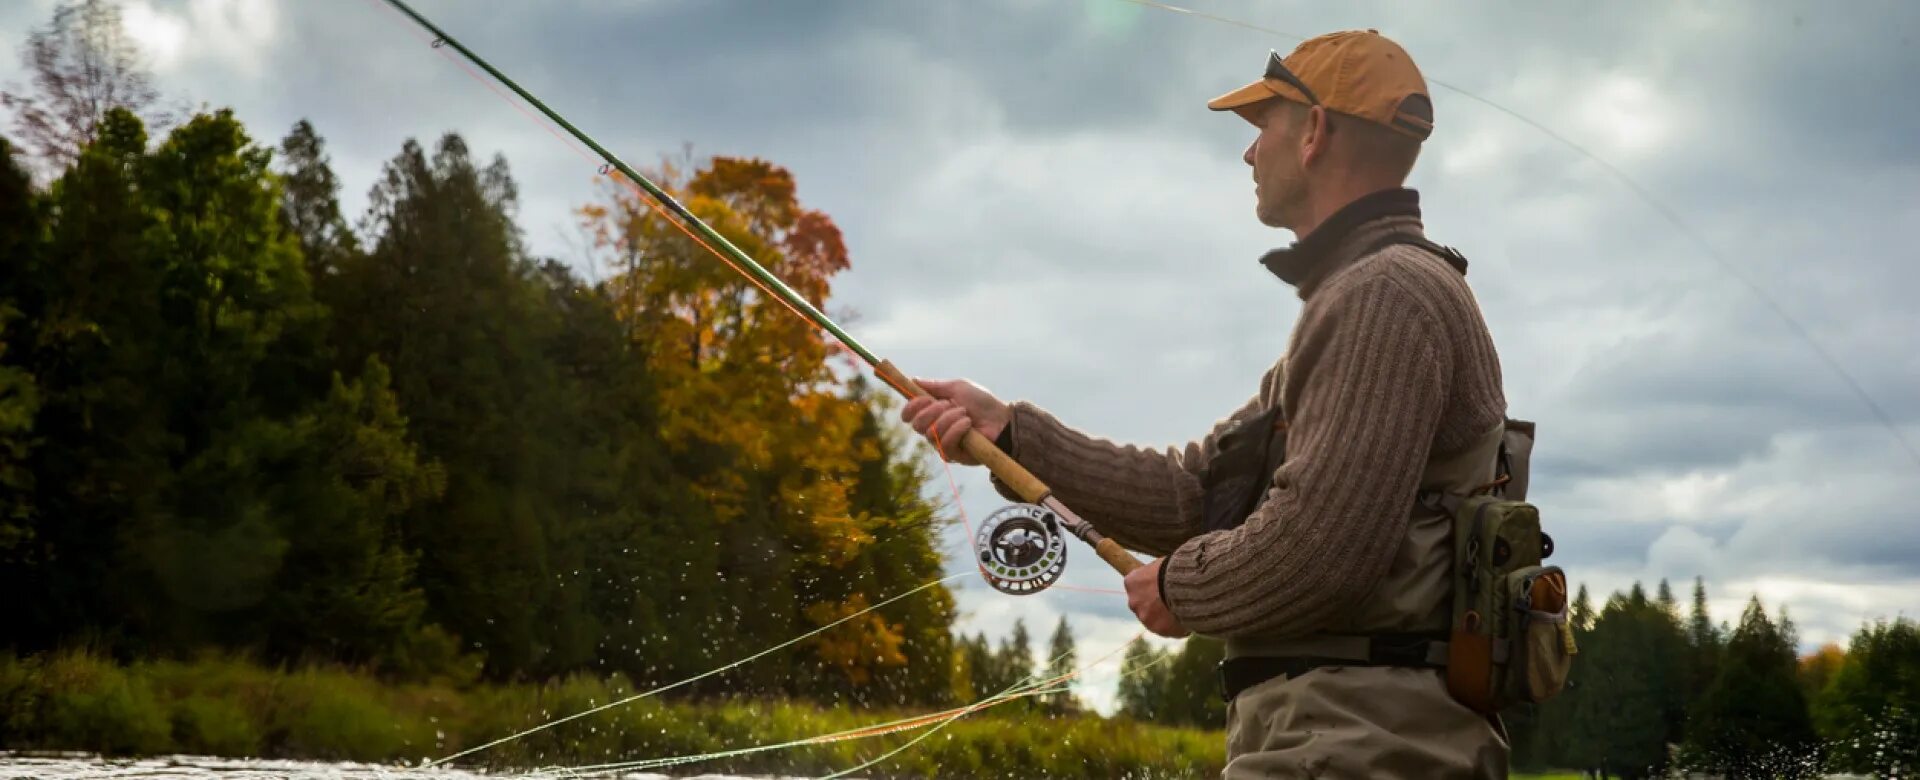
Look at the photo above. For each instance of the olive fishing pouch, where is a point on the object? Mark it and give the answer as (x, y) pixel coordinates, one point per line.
(1510, 641)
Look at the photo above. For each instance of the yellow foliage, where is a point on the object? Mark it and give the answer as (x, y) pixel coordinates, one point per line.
(858, 647)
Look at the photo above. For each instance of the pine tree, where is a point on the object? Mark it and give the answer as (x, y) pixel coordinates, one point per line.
(1704, 644)
(311, 207)
(1753, 721)
(1869, 711)
(1061, 661)
(1142, 680)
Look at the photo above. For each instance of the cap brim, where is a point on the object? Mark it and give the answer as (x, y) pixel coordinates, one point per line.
(1253, 94)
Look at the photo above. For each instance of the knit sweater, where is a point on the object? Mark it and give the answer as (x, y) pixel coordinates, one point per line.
(1390, 362)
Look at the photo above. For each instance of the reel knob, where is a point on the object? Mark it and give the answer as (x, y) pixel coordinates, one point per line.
(1021, 549)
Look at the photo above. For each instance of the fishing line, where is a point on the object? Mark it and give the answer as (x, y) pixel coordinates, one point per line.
(1025, 688)
(695, 678)
(1646, 195)
(944, 723)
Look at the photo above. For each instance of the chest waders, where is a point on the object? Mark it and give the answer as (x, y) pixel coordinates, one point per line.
(1506, 638)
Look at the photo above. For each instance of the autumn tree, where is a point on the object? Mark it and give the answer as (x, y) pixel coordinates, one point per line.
(758, 423)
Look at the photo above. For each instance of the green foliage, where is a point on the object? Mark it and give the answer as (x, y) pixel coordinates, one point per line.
(227, 421)
(1869, 710)
(226, 706)
(1753, 721)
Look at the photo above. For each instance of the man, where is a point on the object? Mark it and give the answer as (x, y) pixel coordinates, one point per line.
(1292, 530)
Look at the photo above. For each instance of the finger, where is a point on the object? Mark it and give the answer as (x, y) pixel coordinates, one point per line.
(927, 415)
(938, 388)
(946, 423)
(953, 434)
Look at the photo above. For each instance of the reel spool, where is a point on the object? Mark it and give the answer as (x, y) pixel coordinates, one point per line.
(1021, 549)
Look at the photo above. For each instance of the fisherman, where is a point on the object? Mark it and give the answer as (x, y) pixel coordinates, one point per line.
(1292, 530)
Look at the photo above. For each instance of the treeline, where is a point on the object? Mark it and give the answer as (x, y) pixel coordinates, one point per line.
(229, 419)
(1653, 690)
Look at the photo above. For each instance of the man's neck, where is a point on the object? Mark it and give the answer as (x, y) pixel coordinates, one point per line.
(1334, 197)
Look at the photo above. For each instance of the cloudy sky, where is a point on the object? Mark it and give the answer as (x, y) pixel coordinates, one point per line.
(1036, 198)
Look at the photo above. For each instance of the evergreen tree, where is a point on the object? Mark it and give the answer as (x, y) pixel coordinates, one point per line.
(20, 245)
(1142, 680)
(1190, 694)
(1704, 644)
(1016, 655)
(1062, 660)
(311, 206)
(1869, 710)
(1753, 721)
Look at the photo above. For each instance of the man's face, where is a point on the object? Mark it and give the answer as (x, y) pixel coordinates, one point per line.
(1280, 184)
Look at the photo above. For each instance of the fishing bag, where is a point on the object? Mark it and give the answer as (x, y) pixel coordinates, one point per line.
(1510, 641)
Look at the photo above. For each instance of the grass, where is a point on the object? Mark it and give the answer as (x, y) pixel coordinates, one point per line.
(231, 707)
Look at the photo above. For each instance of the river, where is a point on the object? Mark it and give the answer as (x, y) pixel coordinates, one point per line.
(74, 766)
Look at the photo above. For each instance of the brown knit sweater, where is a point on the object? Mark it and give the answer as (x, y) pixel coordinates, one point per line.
(1390, 362)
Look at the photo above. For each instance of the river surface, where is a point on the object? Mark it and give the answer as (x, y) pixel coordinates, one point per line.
(73, 766)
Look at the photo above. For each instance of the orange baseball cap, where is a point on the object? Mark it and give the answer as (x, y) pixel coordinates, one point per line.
(1360, 73)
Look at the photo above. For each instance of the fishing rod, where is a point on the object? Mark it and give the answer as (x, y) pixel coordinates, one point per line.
(1021, 548)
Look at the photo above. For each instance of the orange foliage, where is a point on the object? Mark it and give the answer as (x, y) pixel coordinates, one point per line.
(740, 373)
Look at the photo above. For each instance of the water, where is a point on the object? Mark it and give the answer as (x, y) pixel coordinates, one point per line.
(74, 766)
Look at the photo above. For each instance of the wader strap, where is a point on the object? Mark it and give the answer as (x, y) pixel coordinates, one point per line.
(1297, 657)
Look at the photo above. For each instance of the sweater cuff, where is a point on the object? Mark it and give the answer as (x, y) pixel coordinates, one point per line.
(1160, 578)
(1183, 570)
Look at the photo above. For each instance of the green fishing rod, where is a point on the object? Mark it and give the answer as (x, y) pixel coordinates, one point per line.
(1020, 547)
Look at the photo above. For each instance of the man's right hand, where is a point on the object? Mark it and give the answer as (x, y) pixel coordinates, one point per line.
(951, 408)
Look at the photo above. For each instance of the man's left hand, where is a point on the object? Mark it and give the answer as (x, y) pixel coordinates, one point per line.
(1143, 597)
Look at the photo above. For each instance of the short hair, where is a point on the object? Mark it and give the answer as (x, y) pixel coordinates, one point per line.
(1366, 146)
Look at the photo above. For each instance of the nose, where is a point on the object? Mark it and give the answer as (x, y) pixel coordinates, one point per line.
(1248, 155)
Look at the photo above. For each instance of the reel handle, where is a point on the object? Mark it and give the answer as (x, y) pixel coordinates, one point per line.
(1020, 479)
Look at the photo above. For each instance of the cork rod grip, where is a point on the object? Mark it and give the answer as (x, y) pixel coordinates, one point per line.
(1017, 477)
(980, 447)
(1117, 556)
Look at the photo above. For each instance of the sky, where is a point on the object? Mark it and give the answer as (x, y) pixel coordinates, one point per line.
(1036, 198)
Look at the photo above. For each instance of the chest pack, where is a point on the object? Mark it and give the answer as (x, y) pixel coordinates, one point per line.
(1509, 641)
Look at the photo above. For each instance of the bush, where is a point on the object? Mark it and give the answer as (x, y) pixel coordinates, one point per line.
(232, 707)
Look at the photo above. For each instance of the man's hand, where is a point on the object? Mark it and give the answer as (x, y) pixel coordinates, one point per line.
(1143, 597)
(951, 408)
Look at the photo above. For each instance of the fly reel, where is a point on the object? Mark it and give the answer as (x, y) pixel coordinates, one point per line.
(1021, 549)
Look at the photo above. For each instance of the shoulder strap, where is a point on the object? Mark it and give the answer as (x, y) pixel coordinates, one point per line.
(1447, 253)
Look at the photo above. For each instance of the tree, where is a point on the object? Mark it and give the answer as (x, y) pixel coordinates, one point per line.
(1190, 694)
(1016, 655)
(1753, 721)
(1704, 645)
(83, 66)
(311, 207)
(1818, 668)
(1869, 710)
(1142, 680)
(91, 335)
(1062, 661)
(20, 240)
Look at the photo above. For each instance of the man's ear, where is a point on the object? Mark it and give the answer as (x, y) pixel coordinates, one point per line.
(1314, 135)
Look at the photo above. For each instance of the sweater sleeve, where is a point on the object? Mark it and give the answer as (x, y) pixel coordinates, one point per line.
(1372, 390)
(1147, 499)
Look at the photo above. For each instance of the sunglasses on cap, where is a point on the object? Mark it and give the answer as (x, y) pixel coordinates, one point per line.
(1278, 70)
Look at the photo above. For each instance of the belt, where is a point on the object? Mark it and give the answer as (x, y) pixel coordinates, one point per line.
(1407, 650)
